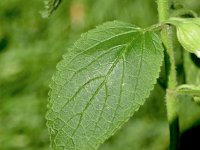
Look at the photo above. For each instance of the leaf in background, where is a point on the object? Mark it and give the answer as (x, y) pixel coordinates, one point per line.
(50, 7)
(190, 90)
(189, 111)
(102, 80)
(192, 71)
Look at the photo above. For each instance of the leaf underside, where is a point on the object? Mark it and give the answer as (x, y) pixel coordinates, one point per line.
(102, 80)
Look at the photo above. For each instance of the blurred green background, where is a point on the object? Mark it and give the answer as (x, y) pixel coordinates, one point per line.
(31, 46)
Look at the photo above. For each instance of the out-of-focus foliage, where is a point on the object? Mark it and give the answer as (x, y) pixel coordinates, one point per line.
(50, 7)
(30, 48)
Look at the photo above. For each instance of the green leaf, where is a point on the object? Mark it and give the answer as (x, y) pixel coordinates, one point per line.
(50, 7)
(100, 83)
(188, 89)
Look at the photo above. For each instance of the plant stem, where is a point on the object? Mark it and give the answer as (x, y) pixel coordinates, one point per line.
(171, 99)
(163, 10)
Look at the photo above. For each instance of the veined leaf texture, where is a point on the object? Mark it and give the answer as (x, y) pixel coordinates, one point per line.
(101, 81)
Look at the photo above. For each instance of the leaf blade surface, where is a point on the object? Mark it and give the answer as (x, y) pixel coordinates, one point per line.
(100, 83)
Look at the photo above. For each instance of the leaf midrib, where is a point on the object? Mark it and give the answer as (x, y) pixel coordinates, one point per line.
(67, 81)
(121, 55)
(104, 82)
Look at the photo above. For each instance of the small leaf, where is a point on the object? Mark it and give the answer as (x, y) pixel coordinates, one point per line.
(196, 100)
(100, 83)
(188, 89)
(50, 7)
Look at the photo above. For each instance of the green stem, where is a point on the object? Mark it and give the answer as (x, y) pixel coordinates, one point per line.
(171, 98)
(163, 10)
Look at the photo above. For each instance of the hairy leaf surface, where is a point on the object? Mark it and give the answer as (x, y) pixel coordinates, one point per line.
(102, 80)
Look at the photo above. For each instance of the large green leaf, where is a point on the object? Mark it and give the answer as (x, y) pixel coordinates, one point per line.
(100, 83)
